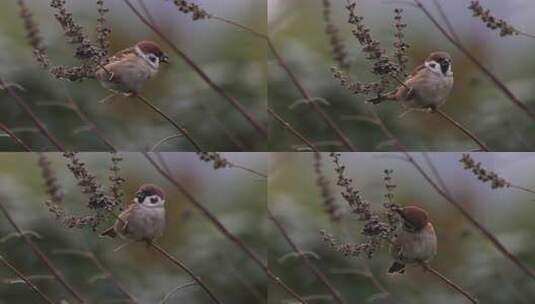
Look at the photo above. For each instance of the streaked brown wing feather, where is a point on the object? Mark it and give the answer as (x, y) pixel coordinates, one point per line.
(122, 223)
(119, 55)
(403, 93)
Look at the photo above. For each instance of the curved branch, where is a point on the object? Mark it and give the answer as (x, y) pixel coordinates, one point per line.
(38, 123)
(449, 283)
(462, 129)
(14, 137)
(317, 273)
(26, 280)
(473, 58)
(232, 237)
(48, 263)
(233, 101)
(180, 128)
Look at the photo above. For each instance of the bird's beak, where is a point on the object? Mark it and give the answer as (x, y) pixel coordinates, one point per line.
(164, 58)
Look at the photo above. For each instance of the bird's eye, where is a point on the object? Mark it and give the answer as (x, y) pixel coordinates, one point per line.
(154, 200)
(432, 65)
(153, 58)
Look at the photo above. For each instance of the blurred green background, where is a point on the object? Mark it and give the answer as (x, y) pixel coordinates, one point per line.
(233, 59)
(464, 255)
(235, 196)
(297, 29)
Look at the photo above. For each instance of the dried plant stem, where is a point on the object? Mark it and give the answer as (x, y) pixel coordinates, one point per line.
(444, 17)
(74, 106)
(315, 271)
(232, 100)
(178, 263)
(233, 238)
(38, 123)
(15, 138)
(522, 188)
(26, 280)
(449, 283)
(48, 263)
(453, 122)
(180, 129)
(499, 84)
(91, 256)
(260, 174)
(164, 140)
(315, 106)
(292, 130)
(462, 129)
(486, 233)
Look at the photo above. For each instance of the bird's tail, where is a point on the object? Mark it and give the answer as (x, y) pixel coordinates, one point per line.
(397, 268)
(110, 232)
(381, 98)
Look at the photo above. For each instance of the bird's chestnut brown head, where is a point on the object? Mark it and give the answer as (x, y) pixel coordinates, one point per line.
(414, 218)
(150, 195)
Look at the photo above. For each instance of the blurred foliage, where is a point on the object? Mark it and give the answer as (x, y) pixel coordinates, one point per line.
(464, 255)
(298, 31)
(236, 197)
(233, 59)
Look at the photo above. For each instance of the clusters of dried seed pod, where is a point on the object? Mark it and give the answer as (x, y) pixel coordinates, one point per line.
(491, 21)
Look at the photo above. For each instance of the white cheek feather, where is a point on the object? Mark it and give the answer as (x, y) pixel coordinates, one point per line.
(153, 65)
(433, 66)
(147, 202)
(449, 73)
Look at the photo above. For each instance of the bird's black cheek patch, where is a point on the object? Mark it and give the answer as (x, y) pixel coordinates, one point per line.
(444, 66)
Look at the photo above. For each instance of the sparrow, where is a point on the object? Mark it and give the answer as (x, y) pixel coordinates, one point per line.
(127, 71)
(427, 87)
(417, 241)
(144, 219)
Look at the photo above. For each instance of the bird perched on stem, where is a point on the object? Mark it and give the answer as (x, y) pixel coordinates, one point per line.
(127, 71)
(417, 241)
(427, 87)
(144, 219)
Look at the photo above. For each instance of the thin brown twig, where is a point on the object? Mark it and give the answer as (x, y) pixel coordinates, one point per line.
(449, 282)
(74, 106)
(180, 128)
(444, 17)
(257, 173)
(225, 129)
(499, 84)
(91, 256)
(289, 127)
(462, 129)
(178, 263)
(232, 100)
(26, 280)
(223, 229)
(452, 121)
(435, 172)
(164, 140)
(314, 105)
(48, 263)
(522, 188)
(315, 271)
(15, 138)
(486, 233)
(38, 123)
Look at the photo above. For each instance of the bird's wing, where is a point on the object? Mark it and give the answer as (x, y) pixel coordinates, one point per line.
(122, 222)
(115, 63)
(119, 55)
(407, 92)
(396, 249)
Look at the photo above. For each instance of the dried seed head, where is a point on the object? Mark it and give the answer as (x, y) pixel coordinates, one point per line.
(34, 36)
(188, 7)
